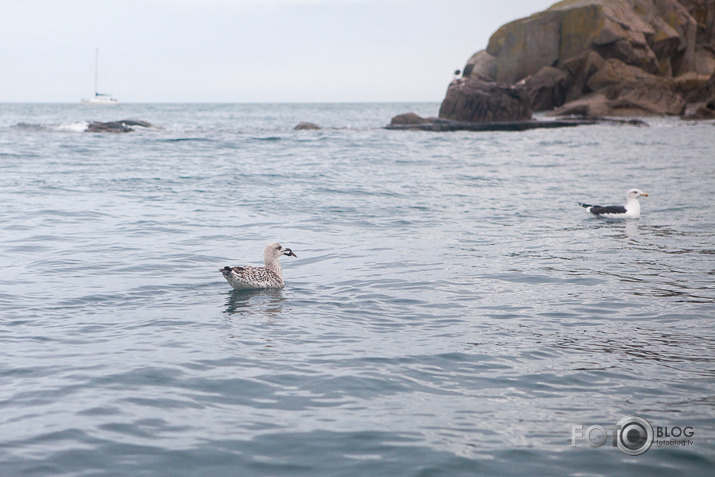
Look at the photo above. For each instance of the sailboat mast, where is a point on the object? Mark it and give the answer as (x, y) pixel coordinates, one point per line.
(99, 98)
(96, 71)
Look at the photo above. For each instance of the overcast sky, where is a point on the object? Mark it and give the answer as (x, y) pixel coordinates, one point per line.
(243, 50)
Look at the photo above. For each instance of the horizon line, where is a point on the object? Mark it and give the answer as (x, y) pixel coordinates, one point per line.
(79, 103)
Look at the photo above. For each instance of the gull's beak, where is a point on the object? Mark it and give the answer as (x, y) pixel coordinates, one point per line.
(644, 194)
(289, 252)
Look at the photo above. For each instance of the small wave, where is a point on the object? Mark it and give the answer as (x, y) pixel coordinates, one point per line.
(77, 126)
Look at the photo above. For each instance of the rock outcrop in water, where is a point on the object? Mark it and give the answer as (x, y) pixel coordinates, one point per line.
(478, 104)
(303, 126)
(122, 126)
(606, 57)
(412, 121)
(482, 100)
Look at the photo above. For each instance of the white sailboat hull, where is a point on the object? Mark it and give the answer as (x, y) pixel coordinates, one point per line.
(100, 101)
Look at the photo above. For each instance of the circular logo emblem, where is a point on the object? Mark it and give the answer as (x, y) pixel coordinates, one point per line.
(635, 435)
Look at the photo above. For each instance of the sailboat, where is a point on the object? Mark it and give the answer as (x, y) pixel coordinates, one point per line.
(99, 98)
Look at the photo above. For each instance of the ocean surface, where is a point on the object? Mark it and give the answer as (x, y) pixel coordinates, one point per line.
(452, 310)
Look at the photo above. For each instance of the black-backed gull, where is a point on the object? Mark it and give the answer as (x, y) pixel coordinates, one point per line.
(632, 209)
(270, 276)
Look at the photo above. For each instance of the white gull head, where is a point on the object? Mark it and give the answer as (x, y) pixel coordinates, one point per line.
(635, 193)
(271, 255)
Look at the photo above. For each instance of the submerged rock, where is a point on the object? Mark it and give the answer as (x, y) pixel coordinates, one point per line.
(122, 126)
(306, 126)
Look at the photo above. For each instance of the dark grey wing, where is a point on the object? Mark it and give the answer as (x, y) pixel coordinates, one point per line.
(611, 209)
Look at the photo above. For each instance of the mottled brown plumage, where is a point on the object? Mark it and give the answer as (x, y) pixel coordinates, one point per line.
(270, 276)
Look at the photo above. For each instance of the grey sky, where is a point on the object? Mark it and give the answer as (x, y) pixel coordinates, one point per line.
(243, 50)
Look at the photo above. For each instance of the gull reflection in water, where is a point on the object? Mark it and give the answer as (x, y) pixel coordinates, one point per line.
(268, 302)
(631, 229)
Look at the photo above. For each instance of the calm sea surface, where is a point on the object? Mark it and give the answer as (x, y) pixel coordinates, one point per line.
(452, 311)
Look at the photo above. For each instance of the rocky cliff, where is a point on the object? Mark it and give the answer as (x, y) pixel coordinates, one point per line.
(606, 57)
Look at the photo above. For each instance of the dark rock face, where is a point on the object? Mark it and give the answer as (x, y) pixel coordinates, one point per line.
(706, 108)
(632, 91)
(702, 112)
(482, 100)
(122, 126)
(623, 57)
(708, 92)
(306, 126)
(635, 102)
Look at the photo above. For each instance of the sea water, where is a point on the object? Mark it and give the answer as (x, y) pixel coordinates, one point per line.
(452, 310)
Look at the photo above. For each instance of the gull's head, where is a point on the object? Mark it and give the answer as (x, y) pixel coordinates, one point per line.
(274, 251)
(635, 193)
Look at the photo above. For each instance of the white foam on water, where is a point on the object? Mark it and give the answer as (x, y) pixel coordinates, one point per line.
(77, 126)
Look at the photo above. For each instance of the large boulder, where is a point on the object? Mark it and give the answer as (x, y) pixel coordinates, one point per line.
(590, 106)
(618, 89)
(523, 47)
(580, 69)
(547, 89)
(690, 86)
(709, 92)
(704, 60)
(703, 12)
(409, 119)
(701, 112)
(639, 53)
(480, 100)
(704, 109)
(626, 83)
(481, 64)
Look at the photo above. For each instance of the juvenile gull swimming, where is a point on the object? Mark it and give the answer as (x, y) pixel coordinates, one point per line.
(632, 209)
(270, 276)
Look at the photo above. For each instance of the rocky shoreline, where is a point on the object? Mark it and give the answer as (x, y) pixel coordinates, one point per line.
(589, 59)
(412, 121)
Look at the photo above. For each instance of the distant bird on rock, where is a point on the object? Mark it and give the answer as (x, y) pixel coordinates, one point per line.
(270, 276)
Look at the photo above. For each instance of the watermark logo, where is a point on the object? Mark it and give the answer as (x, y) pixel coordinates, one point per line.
(632, 435)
